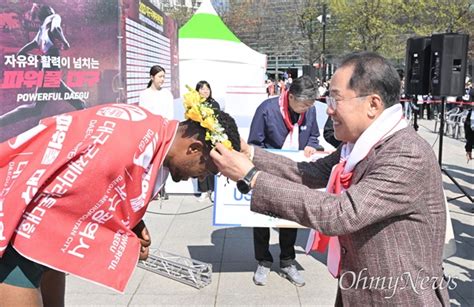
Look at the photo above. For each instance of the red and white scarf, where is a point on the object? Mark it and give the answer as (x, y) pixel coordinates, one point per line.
(390, 121)
(292, 139)
(73, 187)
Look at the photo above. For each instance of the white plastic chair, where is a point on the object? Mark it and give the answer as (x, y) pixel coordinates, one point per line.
(446, 115)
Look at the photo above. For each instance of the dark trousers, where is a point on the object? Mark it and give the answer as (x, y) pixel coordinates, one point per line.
(429, 111)
(207, 184)
(261, 239)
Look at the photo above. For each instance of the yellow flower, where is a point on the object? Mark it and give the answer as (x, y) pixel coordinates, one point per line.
(209, 123)
(194, 114)
(207, 111)
(227, 144)
(200, 112)
(192, 98)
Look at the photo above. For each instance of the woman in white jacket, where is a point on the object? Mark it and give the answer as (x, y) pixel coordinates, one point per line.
(155, 98)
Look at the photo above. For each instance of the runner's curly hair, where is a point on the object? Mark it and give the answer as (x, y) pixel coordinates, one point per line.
(231, 129)
(225, 120)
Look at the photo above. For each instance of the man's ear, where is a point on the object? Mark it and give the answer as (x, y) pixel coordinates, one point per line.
(195, 146)
(376, 106)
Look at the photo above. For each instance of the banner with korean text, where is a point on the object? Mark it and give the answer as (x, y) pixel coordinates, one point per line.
(61, 56)
(55, 57)
(150, 38)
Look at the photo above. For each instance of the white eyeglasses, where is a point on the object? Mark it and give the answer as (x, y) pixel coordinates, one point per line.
(332, 102)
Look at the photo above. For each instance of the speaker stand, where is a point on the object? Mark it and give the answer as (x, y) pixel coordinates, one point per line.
(440, 153)
(415, 110)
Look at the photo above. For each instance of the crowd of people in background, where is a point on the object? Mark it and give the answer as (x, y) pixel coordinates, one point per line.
(276, 87)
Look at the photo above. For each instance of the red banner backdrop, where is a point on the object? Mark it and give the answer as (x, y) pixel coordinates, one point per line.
(60, 56)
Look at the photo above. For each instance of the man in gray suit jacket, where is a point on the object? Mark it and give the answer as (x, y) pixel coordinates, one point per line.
(384, 206)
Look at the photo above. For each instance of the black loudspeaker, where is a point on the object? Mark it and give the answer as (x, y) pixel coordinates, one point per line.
(448, 63)
(417, 63)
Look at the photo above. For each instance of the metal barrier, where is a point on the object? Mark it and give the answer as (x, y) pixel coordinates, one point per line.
(192, 272)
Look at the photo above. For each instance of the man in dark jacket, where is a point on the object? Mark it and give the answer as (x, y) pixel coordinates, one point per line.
(284, 122)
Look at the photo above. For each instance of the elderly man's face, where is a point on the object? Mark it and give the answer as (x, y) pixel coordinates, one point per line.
(350, 110)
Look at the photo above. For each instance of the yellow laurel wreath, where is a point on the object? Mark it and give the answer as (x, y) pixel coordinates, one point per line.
(198, 110)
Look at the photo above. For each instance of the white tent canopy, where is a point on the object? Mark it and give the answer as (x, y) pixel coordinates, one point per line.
(209, 51)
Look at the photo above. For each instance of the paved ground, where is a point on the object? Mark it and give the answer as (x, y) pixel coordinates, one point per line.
(230, 251)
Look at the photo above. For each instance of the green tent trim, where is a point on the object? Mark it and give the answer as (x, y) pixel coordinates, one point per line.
(207, 26)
